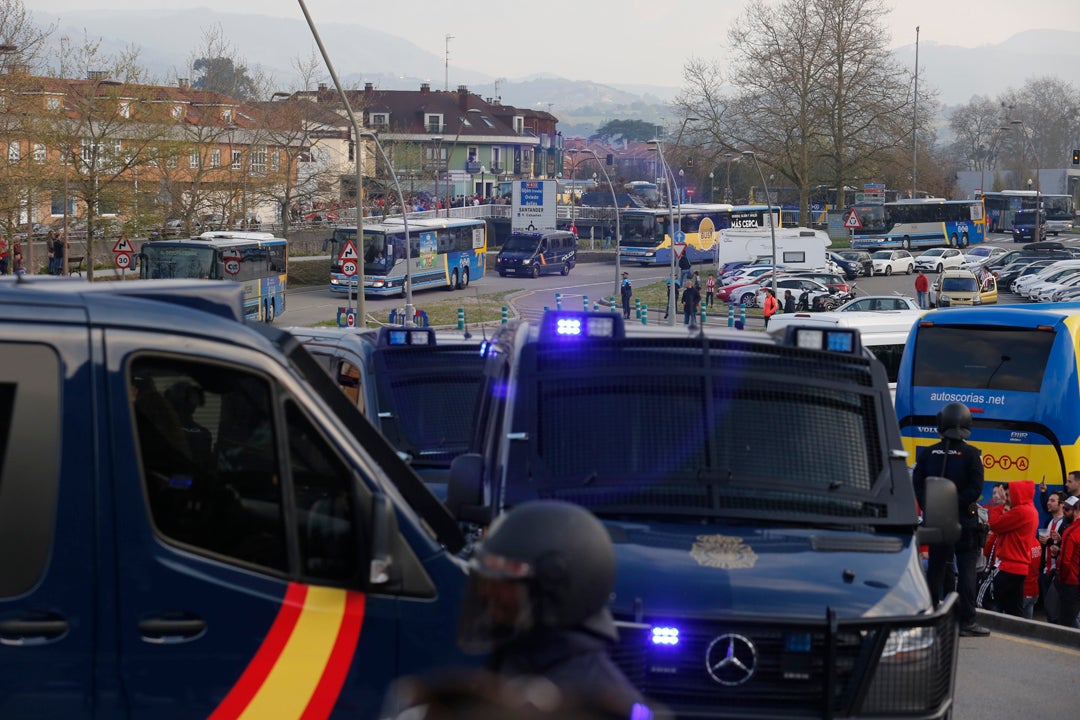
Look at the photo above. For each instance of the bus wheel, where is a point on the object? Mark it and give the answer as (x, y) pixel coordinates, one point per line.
(454, 284)
(565, 269)
(465, 278)
(268, 316)
(953, 241)
(907, 243)
(964, 240)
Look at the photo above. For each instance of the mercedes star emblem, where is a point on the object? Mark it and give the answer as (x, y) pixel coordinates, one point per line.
(731, 659)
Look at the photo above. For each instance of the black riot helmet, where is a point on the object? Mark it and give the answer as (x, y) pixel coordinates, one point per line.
(543, 565)
(954, 421)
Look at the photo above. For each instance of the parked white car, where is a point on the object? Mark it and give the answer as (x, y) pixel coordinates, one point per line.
(887, 262)
(938, 259)
(982, 253)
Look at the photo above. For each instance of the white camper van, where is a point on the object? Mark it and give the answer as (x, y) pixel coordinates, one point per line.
(797, 248)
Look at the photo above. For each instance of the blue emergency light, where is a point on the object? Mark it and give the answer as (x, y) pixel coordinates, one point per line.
(841, 340)
(665, 636)
(565, 325)
(406, 336)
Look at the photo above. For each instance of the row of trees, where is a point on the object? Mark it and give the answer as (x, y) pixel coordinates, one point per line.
(814, 91)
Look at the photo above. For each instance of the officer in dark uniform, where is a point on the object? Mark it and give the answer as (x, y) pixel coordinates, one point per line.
(537, 600)
(954, 459)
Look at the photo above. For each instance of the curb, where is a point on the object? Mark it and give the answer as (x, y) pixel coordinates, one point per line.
(1033, 629)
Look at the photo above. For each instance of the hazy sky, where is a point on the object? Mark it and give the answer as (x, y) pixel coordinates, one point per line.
(655, 37)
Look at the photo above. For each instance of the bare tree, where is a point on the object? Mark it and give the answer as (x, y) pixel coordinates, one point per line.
(977, 137)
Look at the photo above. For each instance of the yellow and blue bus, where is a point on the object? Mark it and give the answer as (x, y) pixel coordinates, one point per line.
(443, 252)
(257, 260)
(646, 232)
(1015, 367)
(925, 223)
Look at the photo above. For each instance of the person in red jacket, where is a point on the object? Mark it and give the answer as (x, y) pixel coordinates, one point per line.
(1031, 583)
(1014, 525)
(1069, 566)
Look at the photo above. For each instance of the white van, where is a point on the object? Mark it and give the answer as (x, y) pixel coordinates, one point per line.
(796, 248)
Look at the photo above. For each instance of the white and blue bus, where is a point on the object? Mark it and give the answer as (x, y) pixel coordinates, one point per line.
(443, 252)
(926, 223)
(646, 232)
(257, 260)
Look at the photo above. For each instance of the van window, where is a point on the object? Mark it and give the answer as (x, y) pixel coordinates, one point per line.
(890, 356)
(211, 455)
(30, 447)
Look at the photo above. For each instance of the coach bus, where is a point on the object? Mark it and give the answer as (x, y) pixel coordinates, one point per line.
(443, 252)
(1001, 207)
(925, 223)
(1016, 368)
(646, 235)
(257, 260)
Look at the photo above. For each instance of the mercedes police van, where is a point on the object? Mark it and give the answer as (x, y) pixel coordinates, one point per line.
(194, 520)
(537, 253)
(765, 525)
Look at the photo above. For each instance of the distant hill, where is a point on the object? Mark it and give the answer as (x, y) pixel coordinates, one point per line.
(167, 38)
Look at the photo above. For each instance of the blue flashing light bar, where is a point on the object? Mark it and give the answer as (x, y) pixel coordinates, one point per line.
(841, 340)
(665, 636)
(797, 642)
(569, 326)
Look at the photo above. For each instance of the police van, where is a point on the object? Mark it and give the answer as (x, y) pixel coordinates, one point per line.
(536, 254)
(195, 520)
(748, 584)
(418, 386)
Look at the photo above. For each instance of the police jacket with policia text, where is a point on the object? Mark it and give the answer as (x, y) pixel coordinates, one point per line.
(959, 462)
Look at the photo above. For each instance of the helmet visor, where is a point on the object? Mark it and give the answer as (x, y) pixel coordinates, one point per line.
(497, 605)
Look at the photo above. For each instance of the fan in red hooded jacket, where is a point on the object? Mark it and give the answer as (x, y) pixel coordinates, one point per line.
(1014, 525)
(1068, 578)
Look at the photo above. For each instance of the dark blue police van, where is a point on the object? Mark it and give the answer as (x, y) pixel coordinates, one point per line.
(196, 522)
(765, 525)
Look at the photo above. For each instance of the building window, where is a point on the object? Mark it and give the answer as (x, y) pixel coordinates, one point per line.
(227, 115)
(258, 160)
(433, 122)
(39, 153)
(275, 160)
(215, 158)
(380, 119)
(52, 103)
(236, 160)
(125, 109)
(519, 124)
(177, 112)
(13, 153)
(171, 161)
(193, 159)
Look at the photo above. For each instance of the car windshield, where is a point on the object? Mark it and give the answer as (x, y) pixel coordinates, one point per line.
(934, 253)
(959, 284)
(521, 243)
(980, 252)
(883, 255)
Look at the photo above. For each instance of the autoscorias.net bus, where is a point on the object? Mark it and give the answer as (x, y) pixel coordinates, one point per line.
(927, 222)
(444, 252)
(257, 260)
(1016, 368)
(647, 237)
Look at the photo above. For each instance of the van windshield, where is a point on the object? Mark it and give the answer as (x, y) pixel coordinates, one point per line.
(521, 243)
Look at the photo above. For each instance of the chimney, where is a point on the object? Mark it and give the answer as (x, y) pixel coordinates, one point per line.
(369, 90)
(96, 75)
(322, 87)
(425, 88)
(463, 97)
(183, 83)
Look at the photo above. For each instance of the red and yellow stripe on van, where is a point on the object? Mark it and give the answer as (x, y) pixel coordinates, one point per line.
(302, 663)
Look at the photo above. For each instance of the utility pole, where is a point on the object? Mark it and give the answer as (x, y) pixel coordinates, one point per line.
(446, 71)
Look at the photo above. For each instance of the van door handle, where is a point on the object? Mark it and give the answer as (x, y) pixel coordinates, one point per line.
(164, 630)
(32, 631)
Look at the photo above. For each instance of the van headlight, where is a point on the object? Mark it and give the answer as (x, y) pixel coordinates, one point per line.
(909, 678)
(527, 261)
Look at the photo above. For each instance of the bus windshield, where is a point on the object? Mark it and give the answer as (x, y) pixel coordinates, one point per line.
(985, 358)
(178, 261)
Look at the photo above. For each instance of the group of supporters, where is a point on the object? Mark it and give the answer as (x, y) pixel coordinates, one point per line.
(1003, 560)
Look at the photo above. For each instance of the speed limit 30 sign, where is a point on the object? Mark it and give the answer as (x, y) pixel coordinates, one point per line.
(122, 260)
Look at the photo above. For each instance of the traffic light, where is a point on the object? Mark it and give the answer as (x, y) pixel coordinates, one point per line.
(610, 159)
(1076, 157)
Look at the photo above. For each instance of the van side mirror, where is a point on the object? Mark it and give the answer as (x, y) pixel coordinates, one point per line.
(465, 491)
(384, 530)
(941, 522)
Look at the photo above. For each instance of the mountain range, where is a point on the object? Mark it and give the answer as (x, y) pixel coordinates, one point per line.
(168, 38)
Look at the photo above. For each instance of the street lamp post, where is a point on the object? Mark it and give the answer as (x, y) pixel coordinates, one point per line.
(615, 204)
(772, 225)
(671, 223)
(409, 309)
(1035, 158)
(437, 145)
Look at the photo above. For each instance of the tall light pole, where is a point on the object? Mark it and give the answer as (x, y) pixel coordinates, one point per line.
(614, 203)
(409, 310)
(772, 225)
(360, 310)
(1014, 124)
(914, 120)
(437, 146)
(671, 223)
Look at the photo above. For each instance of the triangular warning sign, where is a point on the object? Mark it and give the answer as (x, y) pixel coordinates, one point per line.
(852, 222)
(348, 252)
(123, 245)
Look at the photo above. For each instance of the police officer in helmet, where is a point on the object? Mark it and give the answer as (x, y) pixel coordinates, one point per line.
(954, 459)
(539, 585)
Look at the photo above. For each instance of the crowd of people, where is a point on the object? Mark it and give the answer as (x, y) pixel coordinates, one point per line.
(1006, 559)
(12, 261)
